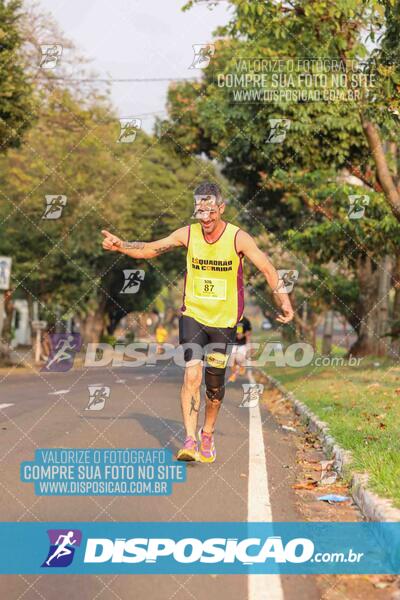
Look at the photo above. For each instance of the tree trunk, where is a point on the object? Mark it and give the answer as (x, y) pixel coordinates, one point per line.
(304, 317)
(384, 175)
(92, 325)
(327, 334)
(363, 319)
(381, 309)
(345, 332)
(315, 323)
(395, 320)
(295, 330)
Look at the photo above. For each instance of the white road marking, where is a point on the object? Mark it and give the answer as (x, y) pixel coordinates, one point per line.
(250, 376)
(5, 406)
(59, 392)
(260, 587)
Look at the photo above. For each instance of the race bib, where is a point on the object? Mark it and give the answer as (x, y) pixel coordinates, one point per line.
(211, 289)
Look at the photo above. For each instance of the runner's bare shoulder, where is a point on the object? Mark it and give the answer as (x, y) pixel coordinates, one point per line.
(181, 236)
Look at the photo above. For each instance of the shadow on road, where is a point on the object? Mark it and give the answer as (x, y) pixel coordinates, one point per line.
(163, 430)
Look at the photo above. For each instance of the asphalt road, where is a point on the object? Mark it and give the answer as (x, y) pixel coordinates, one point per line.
(48, 410)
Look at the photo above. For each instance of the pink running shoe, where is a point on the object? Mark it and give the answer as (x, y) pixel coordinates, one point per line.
(190, 450)
(207, 452)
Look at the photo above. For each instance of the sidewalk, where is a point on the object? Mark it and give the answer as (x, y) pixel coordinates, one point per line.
(360, 405)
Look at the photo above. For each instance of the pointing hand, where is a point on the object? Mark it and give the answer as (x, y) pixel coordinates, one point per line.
(111, 242)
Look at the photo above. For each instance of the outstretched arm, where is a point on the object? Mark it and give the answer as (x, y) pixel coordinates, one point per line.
(247, 246)
(145, 249)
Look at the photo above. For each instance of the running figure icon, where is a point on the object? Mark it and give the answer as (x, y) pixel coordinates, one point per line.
(65, 345)
(133, 279)
(62, 546)
(63, 351)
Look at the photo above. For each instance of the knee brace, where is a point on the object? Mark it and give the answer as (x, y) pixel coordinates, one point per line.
(215, 383)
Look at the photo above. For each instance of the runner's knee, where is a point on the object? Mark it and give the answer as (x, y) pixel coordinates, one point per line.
(215, 383)
(193, 375)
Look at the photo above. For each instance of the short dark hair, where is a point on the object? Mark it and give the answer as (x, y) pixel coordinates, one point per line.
(206, 188)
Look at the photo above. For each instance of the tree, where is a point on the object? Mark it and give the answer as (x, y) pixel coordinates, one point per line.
(344, 31)
(138, 190)
(16, 98)
(350, 256)
(280, 183)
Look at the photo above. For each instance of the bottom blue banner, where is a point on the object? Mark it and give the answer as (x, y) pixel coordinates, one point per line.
(199, 548)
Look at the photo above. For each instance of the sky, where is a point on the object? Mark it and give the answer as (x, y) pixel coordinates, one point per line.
(137, 38)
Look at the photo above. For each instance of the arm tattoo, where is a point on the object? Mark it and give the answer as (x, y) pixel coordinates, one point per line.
(163, 249)
(141, 245)
(133, 245)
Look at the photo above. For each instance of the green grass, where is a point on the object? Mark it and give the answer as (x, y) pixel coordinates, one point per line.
(361, 405)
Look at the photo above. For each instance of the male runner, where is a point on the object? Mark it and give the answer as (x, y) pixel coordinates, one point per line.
(212, 305)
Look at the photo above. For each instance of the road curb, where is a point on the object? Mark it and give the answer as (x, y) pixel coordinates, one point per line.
(372, 506)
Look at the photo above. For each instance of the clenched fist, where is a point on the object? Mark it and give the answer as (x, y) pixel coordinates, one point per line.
(286, 311)
(111, 242)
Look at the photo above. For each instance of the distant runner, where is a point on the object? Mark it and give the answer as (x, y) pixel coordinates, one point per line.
(240, 349)
(213, 304)
(161, 337)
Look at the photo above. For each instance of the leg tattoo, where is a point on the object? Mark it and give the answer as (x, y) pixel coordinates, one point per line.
(195, 404)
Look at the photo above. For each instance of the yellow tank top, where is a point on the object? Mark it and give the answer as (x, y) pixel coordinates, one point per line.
(213, 293)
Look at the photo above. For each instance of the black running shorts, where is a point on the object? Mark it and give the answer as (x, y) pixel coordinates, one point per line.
(197, 338)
